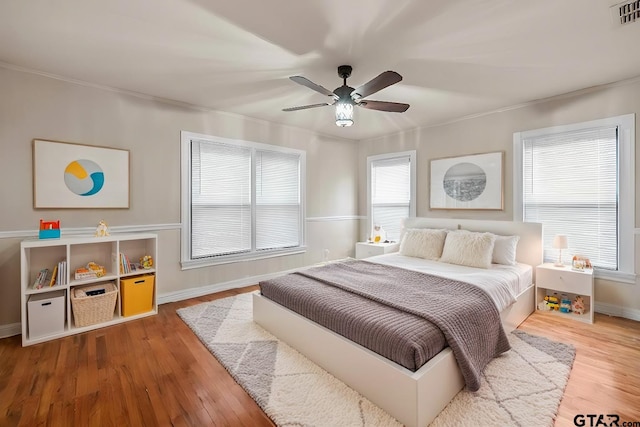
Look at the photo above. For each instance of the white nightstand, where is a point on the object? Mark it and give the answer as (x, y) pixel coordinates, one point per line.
(564, 280)
(366, 249)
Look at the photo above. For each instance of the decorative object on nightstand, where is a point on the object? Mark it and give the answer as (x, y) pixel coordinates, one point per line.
(580, 263)
(560, 242)
(378, 235)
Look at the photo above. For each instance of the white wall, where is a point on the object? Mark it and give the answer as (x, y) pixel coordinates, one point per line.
(494, 132)
(34, 106)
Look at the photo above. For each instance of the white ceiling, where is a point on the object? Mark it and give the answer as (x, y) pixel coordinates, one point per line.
(457, 57)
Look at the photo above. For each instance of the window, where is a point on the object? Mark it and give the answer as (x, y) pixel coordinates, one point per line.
(391, 191)
(578, 180)
(240, 200)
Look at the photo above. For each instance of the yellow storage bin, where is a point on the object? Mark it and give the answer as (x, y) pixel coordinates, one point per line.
(137, 294)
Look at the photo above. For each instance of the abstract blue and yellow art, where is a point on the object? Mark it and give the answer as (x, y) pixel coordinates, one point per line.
(84, 177)
(68, 175)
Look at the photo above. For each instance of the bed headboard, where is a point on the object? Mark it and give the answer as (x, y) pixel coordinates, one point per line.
(529, 250)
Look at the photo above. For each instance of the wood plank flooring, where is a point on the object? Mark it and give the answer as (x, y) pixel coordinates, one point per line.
(605, 378)
(155, 372)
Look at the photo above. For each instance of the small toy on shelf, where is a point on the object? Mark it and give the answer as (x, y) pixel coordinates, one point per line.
(146, 261)
(542, 305)
(49, 229)
(578, 305)
(91, 271)
(102, 230)
(553, 302)
(565, 304)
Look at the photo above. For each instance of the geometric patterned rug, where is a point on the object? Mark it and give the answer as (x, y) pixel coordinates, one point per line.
(522, 387)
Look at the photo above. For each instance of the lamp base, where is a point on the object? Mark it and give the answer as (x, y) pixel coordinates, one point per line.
(559, 264)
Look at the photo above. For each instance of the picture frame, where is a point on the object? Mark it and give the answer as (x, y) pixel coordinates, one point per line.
(468, 182)
(76, 176)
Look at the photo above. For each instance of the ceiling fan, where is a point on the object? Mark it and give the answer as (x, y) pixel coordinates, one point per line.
(345, 97)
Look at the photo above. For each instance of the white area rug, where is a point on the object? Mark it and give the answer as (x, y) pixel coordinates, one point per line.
(523, 387)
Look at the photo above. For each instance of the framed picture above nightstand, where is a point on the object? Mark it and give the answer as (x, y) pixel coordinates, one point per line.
(564, 291)
(367, 249)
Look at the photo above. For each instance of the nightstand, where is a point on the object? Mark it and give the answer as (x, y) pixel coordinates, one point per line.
(366, 249)
(566, 281)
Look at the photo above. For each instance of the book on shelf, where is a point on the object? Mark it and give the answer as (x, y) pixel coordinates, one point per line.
(39, 282)
(126, 266)
(61, 277)
(54, 276)
(45, 279)
(49, 277)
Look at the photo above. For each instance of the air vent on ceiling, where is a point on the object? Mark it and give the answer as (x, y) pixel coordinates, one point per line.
(626, 12)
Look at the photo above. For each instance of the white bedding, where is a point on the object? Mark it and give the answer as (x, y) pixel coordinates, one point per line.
(502, 282)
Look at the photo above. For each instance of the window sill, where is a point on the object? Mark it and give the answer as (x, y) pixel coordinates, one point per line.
(230, 259)
(616, 276)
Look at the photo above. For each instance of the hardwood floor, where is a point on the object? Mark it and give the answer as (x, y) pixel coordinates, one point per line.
(605, 378)
(148, 372)
(155, 371)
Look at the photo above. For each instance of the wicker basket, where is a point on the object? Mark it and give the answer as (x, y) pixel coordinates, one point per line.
(89, 310)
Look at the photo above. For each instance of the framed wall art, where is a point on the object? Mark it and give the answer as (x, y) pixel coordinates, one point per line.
(467, 182)
(78, 176)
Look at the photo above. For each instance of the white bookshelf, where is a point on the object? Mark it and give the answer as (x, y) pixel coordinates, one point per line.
(37, 254)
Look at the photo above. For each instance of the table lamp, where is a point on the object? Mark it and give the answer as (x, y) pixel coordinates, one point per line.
(560, 242)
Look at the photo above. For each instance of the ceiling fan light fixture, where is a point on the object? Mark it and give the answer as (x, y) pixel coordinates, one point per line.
(344, 114)
(345, 97)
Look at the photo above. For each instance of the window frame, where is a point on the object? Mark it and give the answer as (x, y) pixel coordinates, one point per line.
(412, 167)
(626, 187)
(187, 262)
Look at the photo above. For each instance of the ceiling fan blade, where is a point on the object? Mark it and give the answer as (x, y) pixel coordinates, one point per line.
(304, 107)
(394, 107)
(378, 83)
(311, 85)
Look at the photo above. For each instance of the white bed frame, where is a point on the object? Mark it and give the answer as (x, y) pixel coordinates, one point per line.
(413, 398)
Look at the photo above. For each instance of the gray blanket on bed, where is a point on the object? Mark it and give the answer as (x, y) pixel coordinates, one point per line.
(465, 314)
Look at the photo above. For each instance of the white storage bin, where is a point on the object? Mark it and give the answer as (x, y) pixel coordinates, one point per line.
(46, 314)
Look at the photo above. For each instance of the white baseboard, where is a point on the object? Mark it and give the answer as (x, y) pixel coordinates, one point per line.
(10, 330)
(218, 287)
(616, 310)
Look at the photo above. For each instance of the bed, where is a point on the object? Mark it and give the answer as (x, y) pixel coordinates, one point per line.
(413, 397)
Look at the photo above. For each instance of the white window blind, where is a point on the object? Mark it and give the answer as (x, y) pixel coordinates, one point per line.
(245, 199)
(391, 193)
(570, 184)
(277, 200)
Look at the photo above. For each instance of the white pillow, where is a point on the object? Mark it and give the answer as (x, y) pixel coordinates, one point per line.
(468, 248)
(423, 243)
(504, 250)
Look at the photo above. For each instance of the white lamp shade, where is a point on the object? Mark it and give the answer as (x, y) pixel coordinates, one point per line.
(560, 242)
(344, 114)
